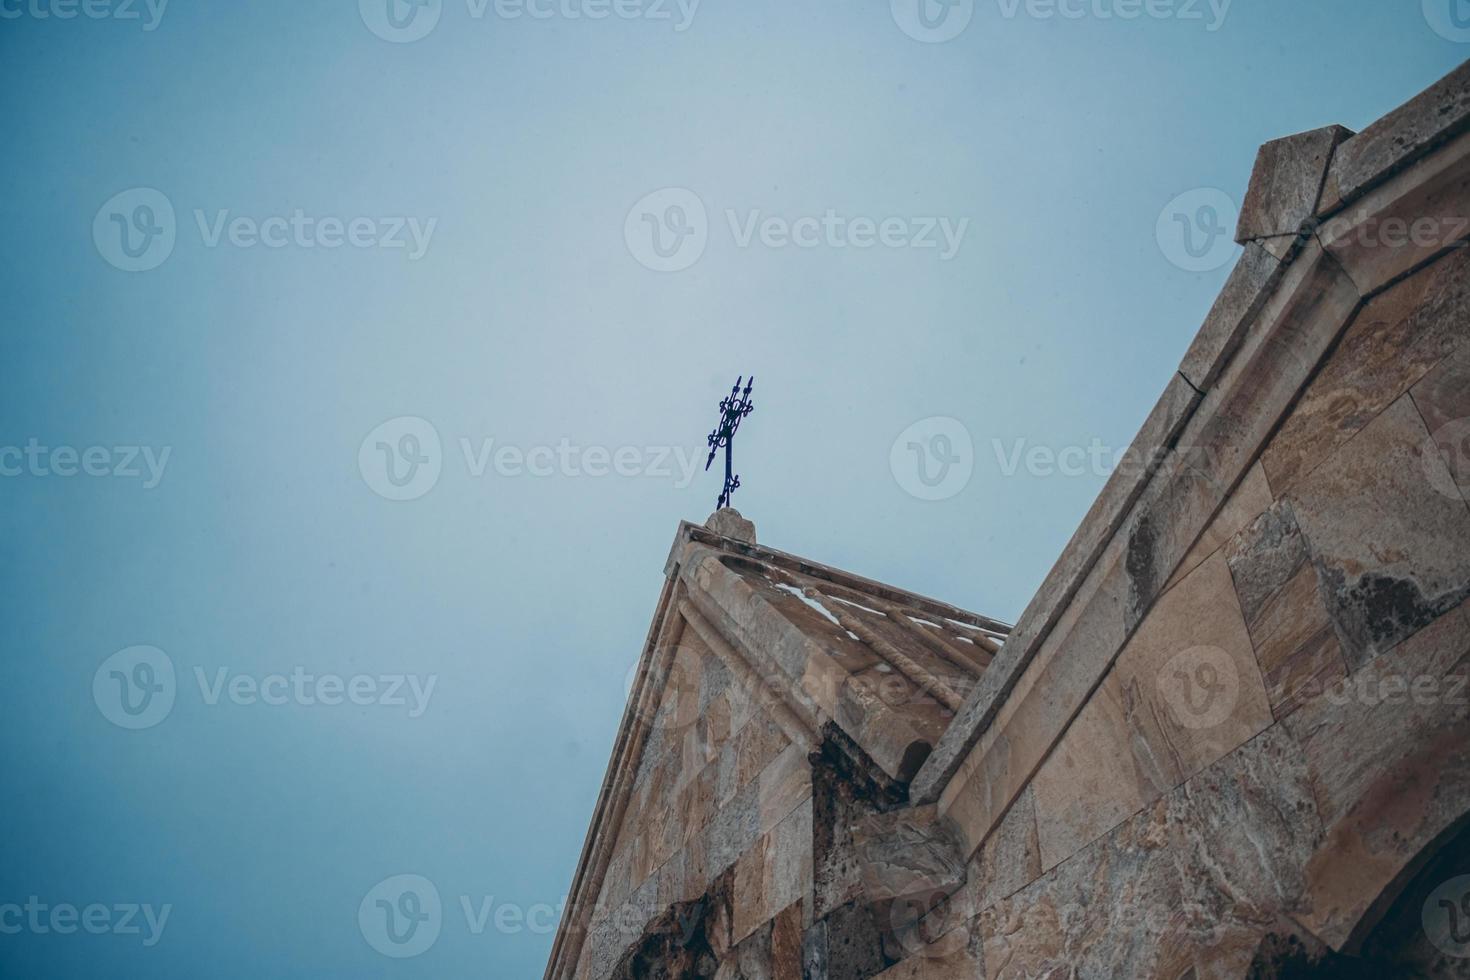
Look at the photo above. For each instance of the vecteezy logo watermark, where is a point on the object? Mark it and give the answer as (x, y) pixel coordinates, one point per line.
(1200, 686)
(1182, 10)
(403, 21)
(136, 231)
(932, 21)
(933, 459)
(400, 21)
(64, 919)
(402, 458)
(1446, 917)
(1446, 458)
(149, 12)
(1449, 18)
(401, 916)
(668, 230)
(121, 462)
(135, 688)
(1195, 231)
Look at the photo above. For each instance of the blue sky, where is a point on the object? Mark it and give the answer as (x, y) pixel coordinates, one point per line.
(254, 673)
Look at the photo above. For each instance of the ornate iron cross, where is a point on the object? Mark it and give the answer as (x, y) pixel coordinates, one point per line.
(732, 410)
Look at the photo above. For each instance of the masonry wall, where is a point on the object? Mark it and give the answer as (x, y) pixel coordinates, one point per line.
(1283, 741)
(720, 807)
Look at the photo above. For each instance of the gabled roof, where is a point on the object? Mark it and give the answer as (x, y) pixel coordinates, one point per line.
(832, 655)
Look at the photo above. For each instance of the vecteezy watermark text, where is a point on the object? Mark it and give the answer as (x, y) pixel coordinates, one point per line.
(120, 462)
(306, 689)
(405, 21)
(136, 688)
(149, 13)
(64, 919)
(668, 230)
(403, 458)
(1211, 13)
(136, 230)
(304, 231)
(1393, 231)
(937, 21)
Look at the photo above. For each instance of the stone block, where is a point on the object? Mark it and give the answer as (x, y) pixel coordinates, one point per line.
(1185, 691)
(1241, 833)
(1287, 183)
(1182, 888)
(788, 875)
(1248, 502)
(1296, 645)
(1102, 914)
(728, 522)
(786, 941)
(735, 827)
(784, 784)
(1405, 223)
(908, 863)
(844, 945)
(1256, 273)
(750, 905)
(1443, 399)
(1011, 858)
(1392, 552)
(1400, 137)
(1389, 758)
(1393, 342)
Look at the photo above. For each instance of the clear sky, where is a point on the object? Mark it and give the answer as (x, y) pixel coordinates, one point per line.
(269, 266)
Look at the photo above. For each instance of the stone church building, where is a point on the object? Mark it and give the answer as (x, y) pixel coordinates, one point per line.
(1230, 735)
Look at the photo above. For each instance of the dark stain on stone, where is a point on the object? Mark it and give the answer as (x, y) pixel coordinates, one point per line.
(846, 945)
(1377, 612)
(1142, 574)
(682, 943)
(846, 786)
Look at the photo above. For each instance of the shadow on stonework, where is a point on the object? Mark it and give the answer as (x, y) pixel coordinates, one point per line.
(1419, 929)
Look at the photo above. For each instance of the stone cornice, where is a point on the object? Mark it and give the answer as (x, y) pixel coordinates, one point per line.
(1292, 293)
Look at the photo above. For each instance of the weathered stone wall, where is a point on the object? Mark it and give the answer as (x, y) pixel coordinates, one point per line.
(1288, 728)
(719, 789)
(753, 823)
(1282, 738)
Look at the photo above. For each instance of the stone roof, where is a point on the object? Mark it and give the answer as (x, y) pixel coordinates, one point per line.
(829, 654)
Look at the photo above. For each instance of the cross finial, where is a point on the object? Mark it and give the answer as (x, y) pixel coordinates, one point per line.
(732, 410)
